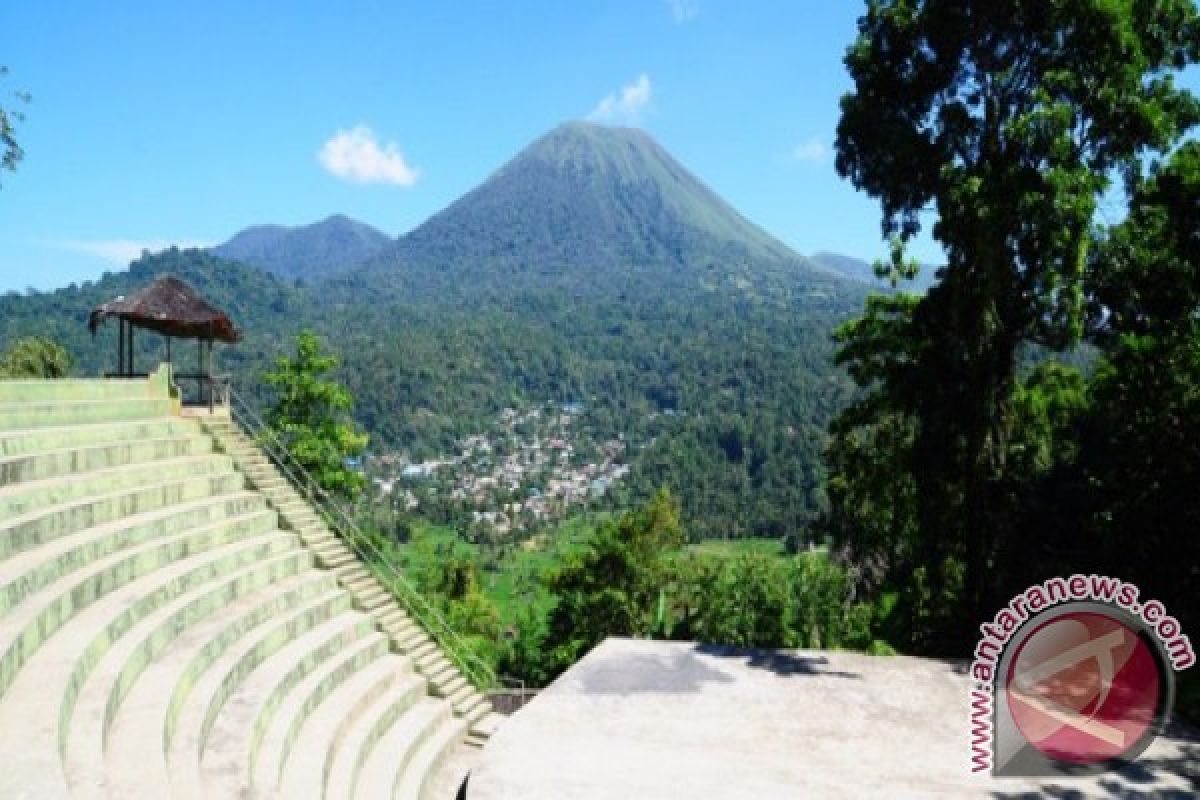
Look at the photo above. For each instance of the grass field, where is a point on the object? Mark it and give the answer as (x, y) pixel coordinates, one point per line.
(736, 547)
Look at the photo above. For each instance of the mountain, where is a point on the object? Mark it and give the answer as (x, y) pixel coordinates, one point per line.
(591, 267)
(861, 271)
(310, 252)
(590, 208)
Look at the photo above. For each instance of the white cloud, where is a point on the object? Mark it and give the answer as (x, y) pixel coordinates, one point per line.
(357, 156)
(626, 105)
(684, 10)
(811, 151)
(120, 252)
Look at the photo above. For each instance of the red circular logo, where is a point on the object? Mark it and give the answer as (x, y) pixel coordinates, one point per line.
(1084, 687)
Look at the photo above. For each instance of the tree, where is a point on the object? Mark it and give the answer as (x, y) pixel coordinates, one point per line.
(309, 416)
(1143, 433)
(11, 152)
(1009, 120)
(745, 601)
(616, 585)
(35, 357)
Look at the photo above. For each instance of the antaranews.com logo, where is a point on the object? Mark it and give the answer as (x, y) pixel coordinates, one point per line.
(1073, 676)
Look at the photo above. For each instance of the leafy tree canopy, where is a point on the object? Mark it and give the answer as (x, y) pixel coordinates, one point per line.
(1009, 120)
(310, 416)
(35, 357)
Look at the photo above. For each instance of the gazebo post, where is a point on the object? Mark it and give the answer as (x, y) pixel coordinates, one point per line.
(169, 365)
(121, 348)
(200, 367)
(129, 360)
(210, 378)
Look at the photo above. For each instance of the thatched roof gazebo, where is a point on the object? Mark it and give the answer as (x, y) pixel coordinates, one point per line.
(177, 311)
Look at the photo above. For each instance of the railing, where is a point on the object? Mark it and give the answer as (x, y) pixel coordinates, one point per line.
(478, 672)
(212, 390)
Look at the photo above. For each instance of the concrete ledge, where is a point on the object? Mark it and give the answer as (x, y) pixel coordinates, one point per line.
(641, 719)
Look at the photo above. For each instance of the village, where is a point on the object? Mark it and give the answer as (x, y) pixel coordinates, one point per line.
(534, 466)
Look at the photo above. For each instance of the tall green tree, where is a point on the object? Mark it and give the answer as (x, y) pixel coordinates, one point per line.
(35, 357)
(310, 415)
(1143, 435)
(1008, 120)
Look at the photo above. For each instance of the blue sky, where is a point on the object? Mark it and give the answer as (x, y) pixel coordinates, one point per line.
(183, 122)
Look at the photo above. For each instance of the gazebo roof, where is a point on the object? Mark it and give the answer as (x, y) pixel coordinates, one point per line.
(169, 306)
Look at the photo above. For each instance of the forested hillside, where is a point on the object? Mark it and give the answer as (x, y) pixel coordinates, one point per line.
(752, 382)
(308, 252)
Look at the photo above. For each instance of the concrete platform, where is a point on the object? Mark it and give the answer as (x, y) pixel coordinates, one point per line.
(638, 720)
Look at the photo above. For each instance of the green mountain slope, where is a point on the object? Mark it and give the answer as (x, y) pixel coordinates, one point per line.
(310, 252)
(592, 209)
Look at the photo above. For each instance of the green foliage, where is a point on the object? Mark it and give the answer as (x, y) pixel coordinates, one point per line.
(615, 585)
(1008, 120)
(749, 382)
(11, 151)
(1141, 457)
(309, 416)
(745, 601)
(35, 357)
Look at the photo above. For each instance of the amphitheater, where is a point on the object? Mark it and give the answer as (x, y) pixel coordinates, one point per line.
(176, 620)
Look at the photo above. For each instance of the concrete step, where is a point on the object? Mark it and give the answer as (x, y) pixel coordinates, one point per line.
(276, 733)
(37, 440)
(27, 626)
(236, 687)
(452, 772)
(170, 702)
(322, 731)
(414, 782)
(343, 765)
(433, 662)
(483, 722)
(225, 762)
(422, 647)
(75, 460)
(439, 672)
(29, 718)
(374, 600)
(472, 707)
(25, 391)
(22, 498)
(23, 416)
(42, 525)
(110, 667)
(382, 768)
(32, 570)
(459, 694)
(448, 686)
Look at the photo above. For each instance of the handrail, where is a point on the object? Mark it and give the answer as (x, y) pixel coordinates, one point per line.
(477, 671)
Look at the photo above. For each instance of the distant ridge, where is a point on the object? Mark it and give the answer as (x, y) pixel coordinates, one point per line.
(310, 252)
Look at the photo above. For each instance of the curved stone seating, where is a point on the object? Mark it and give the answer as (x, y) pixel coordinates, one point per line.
(176, 622)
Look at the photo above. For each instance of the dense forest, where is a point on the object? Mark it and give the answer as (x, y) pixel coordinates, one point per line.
(752, 381)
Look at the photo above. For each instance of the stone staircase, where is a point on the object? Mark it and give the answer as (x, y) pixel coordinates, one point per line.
(176, 621)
